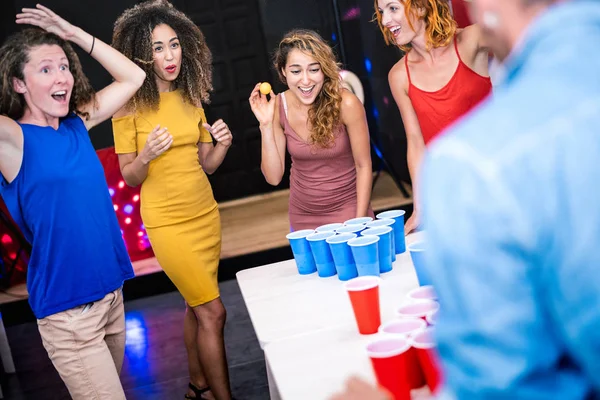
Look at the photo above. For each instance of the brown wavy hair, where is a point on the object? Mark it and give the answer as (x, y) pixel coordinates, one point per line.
(15, 54)
(440, 26)
(324, 113)
(132, 36)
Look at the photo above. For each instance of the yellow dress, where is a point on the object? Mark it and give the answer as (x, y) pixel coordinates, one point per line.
(178, 208)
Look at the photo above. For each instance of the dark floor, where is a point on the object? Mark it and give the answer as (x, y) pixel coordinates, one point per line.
(155, 364)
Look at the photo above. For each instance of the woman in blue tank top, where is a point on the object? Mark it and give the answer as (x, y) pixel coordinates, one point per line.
(54, 187)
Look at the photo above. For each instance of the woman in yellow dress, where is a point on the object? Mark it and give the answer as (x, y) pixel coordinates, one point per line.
(165, 144)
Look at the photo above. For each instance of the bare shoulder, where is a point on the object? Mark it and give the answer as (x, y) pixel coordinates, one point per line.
(397, 76)
(9, 129)
(469, 37)
(351, 106)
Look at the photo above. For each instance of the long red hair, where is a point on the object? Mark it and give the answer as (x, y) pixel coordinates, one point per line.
(440, 26)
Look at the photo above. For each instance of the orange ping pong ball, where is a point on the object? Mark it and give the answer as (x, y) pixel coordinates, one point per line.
(265, 88)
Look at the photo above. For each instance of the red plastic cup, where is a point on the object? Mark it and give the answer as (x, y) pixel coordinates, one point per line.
(407, 328)
(364, 296)
(422, 293)
(418, 309)
(389, 359)
(432, 317)
(426, 349)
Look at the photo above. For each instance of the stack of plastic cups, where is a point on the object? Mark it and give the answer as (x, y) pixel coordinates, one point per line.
(384, 247)
(356, 229)
(378, 223)
(322, 253)
(342, 256)
(422, 293)
(407, 327)
(418, 309)
(358, 221)
(389, 358)
(426, 350)
(329, 227)
(398, 216)
(417, 255)
(366, 255)
(364, 298)
(302, 251)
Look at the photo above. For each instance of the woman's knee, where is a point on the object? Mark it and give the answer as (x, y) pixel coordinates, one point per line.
(212, 313)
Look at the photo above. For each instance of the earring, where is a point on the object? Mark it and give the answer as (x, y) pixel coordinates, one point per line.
(490, 20)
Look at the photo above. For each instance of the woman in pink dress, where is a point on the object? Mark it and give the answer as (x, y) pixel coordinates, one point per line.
(323, 127)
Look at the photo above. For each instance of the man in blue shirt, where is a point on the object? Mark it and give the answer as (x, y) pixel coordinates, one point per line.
(511, 202)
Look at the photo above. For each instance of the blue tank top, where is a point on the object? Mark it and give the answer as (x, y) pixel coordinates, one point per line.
(60, 200)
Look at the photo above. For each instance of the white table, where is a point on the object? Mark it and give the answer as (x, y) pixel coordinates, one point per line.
(316, 365)
(283, 304)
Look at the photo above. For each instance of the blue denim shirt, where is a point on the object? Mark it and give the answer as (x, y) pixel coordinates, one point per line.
(511, 209)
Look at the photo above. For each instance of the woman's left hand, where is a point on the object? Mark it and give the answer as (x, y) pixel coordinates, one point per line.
(220, 131)
(46, 19)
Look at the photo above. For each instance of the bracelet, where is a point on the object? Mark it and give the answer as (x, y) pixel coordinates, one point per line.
(93, 43)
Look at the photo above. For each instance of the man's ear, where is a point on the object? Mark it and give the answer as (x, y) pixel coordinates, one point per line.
(19, 86)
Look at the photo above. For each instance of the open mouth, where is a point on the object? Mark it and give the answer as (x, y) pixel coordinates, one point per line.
(60, 96)
(306, 91)
(395, 30)
(171, 69)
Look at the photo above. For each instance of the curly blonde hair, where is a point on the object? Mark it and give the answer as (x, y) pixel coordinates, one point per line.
(440, 26)
(324, 113)
(132, 36)
(15, 54)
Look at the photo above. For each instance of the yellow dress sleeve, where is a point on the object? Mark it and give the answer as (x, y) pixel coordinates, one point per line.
(205, 136)
(124, 133)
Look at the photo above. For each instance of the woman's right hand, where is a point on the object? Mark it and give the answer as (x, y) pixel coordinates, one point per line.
(46, 19)
(263, 109)
(159, 141)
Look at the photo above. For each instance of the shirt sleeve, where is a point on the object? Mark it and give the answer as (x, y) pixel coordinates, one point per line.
(494, 334)
(205, 136)
(125, 134)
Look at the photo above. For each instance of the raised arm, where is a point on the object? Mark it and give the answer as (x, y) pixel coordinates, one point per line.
(128, 77)
(273, 139)
(354, 117)
(414, 138)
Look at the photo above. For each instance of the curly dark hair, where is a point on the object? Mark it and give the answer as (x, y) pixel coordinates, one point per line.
(132, 36)
(324, 114)
(15, 54)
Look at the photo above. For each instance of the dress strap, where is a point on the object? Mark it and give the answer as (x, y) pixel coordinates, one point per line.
(456, 48)
(407, 70)
(285, 107)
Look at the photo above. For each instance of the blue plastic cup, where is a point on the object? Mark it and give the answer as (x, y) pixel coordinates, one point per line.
(342, 256)
(358, 221)
(302, 251)
(329, 227)
(417, 254)
(398, 216)
(366, 255)
(357, 229)
(322, 253)
(384, 247)
(386, 222)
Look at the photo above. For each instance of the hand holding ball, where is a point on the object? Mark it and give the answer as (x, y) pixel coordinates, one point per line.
(265, 88)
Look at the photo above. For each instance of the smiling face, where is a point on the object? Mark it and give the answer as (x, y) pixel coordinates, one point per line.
(166, 51)
(393, 18)
(304, 76)
(47, 83)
